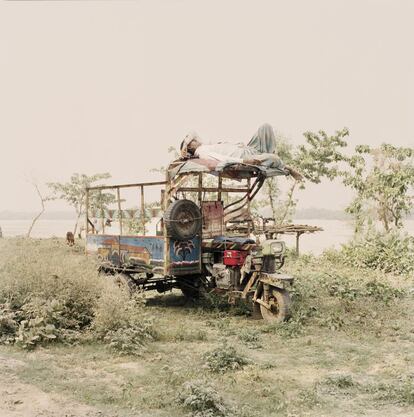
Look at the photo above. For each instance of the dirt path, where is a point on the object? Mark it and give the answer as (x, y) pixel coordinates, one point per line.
(19, 399)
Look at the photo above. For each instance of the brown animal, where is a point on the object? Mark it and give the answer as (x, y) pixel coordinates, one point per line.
(70, 239)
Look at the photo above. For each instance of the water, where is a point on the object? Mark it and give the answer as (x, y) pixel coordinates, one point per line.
(42, 228)
(334, 232)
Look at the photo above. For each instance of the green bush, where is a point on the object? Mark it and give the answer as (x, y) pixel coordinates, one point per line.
(224, 358)
(122, 323)
(202, 400)
(330, 294)
(389, 252)
(48, 291)
(130, 340)
(251, 338)
(52, 293)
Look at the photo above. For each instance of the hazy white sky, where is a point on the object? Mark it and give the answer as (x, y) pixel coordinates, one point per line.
(95, 86)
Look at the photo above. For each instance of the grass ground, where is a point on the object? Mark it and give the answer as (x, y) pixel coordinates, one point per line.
(319, 364)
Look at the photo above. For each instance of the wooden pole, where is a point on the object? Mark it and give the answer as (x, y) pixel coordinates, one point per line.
(111, 187)
(86, 212)
(298, 234)
(118, 193)
(248, 208)
(142, 209)
(102, 212)
(166, 201)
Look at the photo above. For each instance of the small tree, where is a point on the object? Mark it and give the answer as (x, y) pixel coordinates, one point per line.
(383, 179)
(318, 158)
(74, 193)
(43, 200)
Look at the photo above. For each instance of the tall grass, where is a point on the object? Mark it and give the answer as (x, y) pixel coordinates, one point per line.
(50, 292)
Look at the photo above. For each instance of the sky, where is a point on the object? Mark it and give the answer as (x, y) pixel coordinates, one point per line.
(108, 86)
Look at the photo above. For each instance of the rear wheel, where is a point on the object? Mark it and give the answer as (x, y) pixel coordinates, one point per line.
(125, 282)
(191, 286)
(279, 303)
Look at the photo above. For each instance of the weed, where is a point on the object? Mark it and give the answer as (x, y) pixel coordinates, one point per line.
(184, 334)
(220, 304)
(202, 400)
(381, 291)
(251, 338)
(287, 330)
(130, 340)
(224, 358)
(340, 381)
(388, 252)
(400, 392)
(123, 323)
(50, 293)
(309, 398)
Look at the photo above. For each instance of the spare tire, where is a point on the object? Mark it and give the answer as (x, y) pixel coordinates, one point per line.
(182, 219)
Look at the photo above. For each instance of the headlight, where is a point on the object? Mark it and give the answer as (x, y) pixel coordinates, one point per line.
(273, 247)
(277, 247)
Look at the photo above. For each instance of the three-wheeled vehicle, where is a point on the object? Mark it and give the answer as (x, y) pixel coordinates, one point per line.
(206, 239)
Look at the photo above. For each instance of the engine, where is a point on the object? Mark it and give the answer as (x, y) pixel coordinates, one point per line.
(225, 267)
(229, 266)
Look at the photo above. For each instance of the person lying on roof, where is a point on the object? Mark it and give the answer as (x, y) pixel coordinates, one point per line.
(259, 151)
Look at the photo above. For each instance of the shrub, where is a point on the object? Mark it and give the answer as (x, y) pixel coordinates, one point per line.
(52, 293)
(202, 400)
(329, 294)
(123, 323)
(130, 340)
(47, 291)
(389, 252)
(251, 338)
(224, 358)
(9, 323)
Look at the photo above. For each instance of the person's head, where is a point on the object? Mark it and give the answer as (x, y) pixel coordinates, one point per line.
(190, 143)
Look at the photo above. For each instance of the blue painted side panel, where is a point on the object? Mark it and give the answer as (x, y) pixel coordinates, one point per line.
(146, 252)
(127, 250)
(154, 245)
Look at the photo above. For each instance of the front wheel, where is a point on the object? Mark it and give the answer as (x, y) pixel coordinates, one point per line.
(279, 303)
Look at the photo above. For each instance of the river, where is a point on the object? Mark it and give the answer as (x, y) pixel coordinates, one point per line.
(334, 232)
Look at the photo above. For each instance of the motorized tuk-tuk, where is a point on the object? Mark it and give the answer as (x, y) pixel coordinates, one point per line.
(206, 239)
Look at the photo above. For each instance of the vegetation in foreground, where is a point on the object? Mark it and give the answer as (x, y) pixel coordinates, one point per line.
(346, 351)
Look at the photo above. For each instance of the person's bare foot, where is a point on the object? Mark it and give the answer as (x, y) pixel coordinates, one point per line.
(295, 174)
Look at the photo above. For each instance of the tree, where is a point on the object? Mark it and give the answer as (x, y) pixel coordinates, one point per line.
(318, 158)
(74, 193)
(383, 179)
(43, 200)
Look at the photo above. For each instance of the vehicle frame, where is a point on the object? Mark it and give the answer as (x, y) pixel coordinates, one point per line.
(149, 262)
